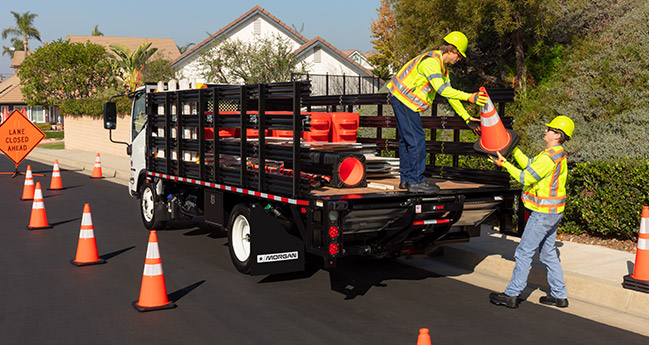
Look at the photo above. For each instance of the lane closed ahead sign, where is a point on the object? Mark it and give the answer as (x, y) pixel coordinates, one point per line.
(19, 136)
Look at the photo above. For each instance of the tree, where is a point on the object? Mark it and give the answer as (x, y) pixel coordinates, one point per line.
(16, 45)
(24, 27)
(183, 49)
(62, 70)
(383, 31)
(158, 69)
(265, 60)
(96, 32)
(130, 64)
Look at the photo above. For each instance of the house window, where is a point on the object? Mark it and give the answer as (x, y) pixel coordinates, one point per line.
(257, 26)
(317, 55)
(38, 114)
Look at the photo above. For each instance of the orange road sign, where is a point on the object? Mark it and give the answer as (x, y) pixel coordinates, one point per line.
(19, 136)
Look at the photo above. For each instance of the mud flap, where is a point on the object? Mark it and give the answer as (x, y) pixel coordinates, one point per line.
(272, 249)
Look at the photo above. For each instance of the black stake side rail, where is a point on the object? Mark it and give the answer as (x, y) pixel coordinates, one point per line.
(260, 98)
(434, 146)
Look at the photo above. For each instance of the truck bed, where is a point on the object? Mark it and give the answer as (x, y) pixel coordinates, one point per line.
(391, 185)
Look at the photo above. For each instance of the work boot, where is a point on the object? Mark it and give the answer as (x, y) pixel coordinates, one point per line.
(557, 302)
(403, 185)
(502, 299)
(423, 187)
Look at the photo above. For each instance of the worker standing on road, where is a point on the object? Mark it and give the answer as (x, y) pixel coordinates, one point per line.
(544, 194)
(412, 91)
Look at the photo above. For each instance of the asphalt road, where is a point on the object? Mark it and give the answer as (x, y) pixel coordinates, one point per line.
(46, 300)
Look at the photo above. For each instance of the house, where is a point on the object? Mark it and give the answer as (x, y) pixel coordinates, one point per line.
(360, 58)
(325, 64)
(167, 48)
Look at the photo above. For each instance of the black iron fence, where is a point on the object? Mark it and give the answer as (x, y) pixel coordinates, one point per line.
(331, 84)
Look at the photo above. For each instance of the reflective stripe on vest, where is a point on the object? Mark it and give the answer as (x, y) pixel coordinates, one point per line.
(401, 83)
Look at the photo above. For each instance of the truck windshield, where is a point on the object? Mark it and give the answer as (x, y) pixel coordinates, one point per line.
(139, 115)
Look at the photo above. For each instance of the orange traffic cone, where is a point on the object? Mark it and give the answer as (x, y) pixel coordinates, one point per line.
(153, 293)
(28, 189)
(38, 219)
(87, 247)
(424, 337)
(96, 171)
(495, 137)
(639, 280)
(56, 183)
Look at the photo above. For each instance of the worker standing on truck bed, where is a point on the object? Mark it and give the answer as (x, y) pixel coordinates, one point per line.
(544, 194)
(412, 91)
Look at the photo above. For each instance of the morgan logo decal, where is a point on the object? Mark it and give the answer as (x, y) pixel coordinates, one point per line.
(265, 258)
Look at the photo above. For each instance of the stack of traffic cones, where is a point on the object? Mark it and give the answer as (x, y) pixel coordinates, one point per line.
(424, 337)
(38, 219)
(28, 189)
(639, 280)
(495, 137)
(153, 292)
(96, 171)
(87, 248)
(56, 183)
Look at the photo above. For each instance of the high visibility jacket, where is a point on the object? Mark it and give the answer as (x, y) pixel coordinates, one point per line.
(543, 177)
(417, 82)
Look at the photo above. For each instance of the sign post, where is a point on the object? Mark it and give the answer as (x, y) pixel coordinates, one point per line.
(18, 137)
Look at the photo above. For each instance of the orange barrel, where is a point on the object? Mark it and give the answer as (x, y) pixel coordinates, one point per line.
(344, 127)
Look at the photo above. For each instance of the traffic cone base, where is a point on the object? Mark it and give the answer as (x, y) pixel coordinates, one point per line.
(142, 309)
(55, 183)
(513, 140)
(38, 218)
(635, 284)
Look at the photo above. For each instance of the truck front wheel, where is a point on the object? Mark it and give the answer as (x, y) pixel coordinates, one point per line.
(239, 238)
(148, 211)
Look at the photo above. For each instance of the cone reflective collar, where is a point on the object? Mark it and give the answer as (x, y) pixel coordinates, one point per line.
(38, 219)
(153, 292)
(28, 189)
(56, 183)
(495, 137)
(87, 246)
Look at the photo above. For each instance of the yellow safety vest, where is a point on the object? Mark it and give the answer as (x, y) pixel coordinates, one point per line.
(543, 177)
(421, 75)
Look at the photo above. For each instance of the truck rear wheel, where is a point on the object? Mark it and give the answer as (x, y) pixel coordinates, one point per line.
(147, 208)
(239, 237)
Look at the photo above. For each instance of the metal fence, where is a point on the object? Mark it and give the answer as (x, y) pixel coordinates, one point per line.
(330, 84)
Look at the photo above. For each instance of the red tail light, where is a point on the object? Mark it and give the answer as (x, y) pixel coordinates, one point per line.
(333, 232)
(333, 249)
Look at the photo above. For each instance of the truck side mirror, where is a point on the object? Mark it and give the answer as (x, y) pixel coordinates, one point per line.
(110, 115)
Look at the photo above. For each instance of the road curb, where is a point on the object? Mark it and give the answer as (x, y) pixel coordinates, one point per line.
(67, 163)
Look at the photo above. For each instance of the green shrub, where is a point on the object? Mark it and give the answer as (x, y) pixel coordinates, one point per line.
(54, 134)
(44, 126)
(606, 198)
(93, 106)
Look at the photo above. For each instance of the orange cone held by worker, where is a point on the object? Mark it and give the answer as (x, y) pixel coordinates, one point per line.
(153, 292)
(28, 189)
(56, 183)
(87, 247)
(495, 137)
(96, 171)
(424, 337)
(38, 219)
(639, 280)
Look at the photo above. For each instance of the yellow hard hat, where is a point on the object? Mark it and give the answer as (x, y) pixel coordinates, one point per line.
(564, 123)
(459, 40)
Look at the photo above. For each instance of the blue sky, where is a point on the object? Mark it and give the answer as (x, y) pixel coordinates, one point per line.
(343, 23)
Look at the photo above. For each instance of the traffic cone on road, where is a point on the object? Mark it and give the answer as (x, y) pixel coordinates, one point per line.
(153, 292)
(56, 183)
(38, 219)
(28, 189)
(96, 171)
(495, 137)
(87, 246)
(424, 337)
(639, 280)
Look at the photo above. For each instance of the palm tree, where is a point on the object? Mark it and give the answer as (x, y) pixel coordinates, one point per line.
(96, 32)
(131, 64)
(24, 27)
(183, 49)
(16, 45)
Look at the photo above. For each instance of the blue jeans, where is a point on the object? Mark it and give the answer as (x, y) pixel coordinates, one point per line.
(540, 232)
(412, 143)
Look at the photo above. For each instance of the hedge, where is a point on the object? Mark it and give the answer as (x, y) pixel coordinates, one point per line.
(93, 106)
(605, 198)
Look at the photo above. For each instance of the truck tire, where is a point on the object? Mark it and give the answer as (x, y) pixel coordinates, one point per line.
(148, 199)
(239, 238)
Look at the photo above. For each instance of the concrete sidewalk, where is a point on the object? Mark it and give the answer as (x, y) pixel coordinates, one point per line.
(593, 274)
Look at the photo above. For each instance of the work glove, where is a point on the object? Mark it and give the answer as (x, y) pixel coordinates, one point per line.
(479, 98)
(474, 125)
(500, 161)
